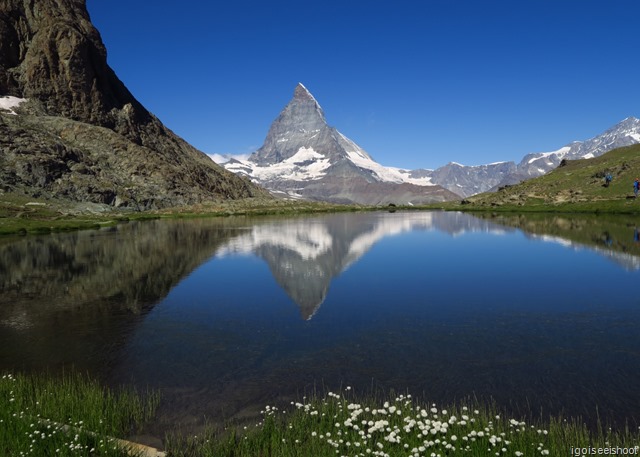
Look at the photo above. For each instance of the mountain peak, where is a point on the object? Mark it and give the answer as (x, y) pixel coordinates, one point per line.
(302, 92)
(301, 95)
(629, 122)
(303, 157)
(298, 126)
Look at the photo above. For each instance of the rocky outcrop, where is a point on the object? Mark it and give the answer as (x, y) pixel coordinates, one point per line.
(82, 135)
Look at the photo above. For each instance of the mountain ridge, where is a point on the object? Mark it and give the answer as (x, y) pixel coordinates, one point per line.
(472, 180)
(78, 133)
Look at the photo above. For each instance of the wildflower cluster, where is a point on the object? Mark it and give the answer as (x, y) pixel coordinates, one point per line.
(402, 428)
(26, 428)
(339, 425)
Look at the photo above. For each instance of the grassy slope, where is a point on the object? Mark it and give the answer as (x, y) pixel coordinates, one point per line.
(574, 187)
(21, 214)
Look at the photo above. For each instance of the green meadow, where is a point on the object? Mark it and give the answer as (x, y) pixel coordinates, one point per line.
(73, 415)
(68, 415)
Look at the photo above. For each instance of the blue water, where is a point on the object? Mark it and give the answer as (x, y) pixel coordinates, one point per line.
(444, 306)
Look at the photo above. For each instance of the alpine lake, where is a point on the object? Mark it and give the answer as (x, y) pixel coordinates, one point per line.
(539, 314)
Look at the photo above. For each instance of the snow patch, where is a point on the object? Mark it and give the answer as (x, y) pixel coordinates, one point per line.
(8, 103)
(305, 165)
(224, 158)
(406, 177)
(560, 153)
(385, 174)
(303, 155)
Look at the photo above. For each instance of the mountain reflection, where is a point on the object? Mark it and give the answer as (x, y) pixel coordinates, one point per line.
(124, 270)
(616, 237)
(55, 287)
(306, 254)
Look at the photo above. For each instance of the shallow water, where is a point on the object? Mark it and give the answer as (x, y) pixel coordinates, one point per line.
(539, 314)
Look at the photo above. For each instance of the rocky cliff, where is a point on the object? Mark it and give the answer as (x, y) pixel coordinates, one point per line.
(79, 133)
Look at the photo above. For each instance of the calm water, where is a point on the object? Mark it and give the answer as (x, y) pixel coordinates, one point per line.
(225, 316)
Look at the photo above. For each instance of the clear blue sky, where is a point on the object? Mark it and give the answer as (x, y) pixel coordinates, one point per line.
(415, 83)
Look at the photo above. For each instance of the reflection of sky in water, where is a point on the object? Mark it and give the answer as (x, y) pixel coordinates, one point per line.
(503, 316)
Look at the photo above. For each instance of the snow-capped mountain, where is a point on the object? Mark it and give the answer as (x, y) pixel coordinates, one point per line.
(467, 180)
(303, 157)
(622, 134)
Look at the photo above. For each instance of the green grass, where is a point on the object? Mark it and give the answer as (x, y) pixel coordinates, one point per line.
(339, 425)
(23, 215)
(70, 415)
(35, 407)
(577, 187)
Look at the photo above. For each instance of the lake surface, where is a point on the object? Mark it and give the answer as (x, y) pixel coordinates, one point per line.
(225, 316)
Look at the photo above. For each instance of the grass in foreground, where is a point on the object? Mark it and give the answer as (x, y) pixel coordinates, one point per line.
(337, 426)
(68, 416)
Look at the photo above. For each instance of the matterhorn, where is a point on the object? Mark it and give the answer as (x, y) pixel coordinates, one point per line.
(303, 157)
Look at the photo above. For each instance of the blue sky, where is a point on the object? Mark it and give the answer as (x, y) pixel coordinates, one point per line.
(417, 84)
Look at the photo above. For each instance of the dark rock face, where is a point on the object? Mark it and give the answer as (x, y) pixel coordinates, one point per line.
(77, 108)
(57, 57)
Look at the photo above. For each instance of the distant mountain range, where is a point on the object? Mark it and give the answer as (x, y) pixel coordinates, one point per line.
(470, 180)
(302, 157)
(574, 185)
(625, 133)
